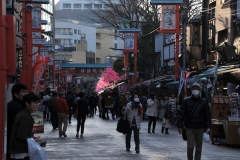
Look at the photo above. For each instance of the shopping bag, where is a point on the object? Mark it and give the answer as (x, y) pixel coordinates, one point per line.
(35, 151)
(123, 126)
(206, 137)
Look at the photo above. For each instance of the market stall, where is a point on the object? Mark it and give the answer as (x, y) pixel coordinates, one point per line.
(225, 127)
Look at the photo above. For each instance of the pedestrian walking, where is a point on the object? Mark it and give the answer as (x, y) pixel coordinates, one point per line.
(195, 112)
(92, 104)
(70, 102)
(166, 109)
(108, 105)
(13, 108)
(52, 109)
(82, 108)
(134, 113)
(22, 128)
(173, 103)
(62, 111)
(152, 112)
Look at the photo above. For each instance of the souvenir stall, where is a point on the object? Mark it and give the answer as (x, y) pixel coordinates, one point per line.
(225, 111)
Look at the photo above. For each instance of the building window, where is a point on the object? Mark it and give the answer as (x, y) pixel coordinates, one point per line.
(75, 31)
(97, 6)
(115, 45)
(75, 41)
(77, 5)
(98, 45)
(66, 5)
(79, 41)
(79, 32)
(87, 5)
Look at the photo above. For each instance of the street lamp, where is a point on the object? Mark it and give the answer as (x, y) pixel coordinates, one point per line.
(28, 7)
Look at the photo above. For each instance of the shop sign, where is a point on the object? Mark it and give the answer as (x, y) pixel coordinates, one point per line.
(38, 125)
(89, 70)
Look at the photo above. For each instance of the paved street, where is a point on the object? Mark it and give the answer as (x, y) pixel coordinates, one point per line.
(101, 141)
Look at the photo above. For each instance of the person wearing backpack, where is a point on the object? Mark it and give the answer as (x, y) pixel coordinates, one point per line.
(195, 112)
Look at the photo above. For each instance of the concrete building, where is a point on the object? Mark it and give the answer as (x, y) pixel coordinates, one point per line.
(80, 5)
(85, 37)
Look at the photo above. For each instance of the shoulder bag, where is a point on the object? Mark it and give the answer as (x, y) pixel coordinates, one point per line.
(123, 125)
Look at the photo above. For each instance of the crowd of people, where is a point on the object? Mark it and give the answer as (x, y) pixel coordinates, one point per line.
(59, 108)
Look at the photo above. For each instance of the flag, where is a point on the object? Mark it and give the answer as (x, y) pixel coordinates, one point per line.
(209, 83)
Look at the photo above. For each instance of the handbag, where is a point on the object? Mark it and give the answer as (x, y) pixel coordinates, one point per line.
(123, 125)
(35, 151)
(75, 114)
(184, 135)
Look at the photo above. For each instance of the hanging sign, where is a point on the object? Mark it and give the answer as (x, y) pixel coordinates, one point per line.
(129, 41)
(168, 17)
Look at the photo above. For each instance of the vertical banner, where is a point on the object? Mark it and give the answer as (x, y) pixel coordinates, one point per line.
(168, 17)
(69, 78)
(38, 69)
(181, 82)
(185, 84)
(78, 81)
(36, 16)
(129, 41)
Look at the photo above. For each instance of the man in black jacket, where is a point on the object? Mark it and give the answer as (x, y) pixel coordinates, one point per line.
(70, 102)
(195, 113)
(14, 107)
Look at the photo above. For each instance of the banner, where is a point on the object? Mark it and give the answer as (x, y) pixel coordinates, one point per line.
(181, 82)
(38, 125)
(78, 81)
(38, 70)
(185, 84)
(209, 83)
(69, 78)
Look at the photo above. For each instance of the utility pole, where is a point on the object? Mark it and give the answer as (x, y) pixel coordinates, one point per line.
(204, 30)
(184, 31)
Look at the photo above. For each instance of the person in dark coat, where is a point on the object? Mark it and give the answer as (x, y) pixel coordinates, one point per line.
(13, 108)
(22, 128)
(82, 107)
(195, 112)
(70, 102)
(92, 104)
(52, 109)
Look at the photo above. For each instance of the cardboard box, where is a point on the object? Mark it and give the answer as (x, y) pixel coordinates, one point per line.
(232, 132)
(220, 111)
(220, 99)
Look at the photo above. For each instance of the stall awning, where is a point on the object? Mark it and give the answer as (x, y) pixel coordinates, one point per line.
(221, 70)
(161, 78)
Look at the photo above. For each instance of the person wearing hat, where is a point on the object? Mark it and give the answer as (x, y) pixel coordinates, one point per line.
(134, 112)
(195, 113)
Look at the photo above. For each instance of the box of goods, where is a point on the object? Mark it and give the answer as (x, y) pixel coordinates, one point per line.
(232, 132)
(220, 99)
(220, 111)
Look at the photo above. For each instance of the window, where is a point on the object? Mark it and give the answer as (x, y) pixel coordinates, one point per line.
(75, 41)
(87, 5)
(79, 32)
(79, 41)
(115, 45)
(75, 31)
(77, 5)
(66, 5)
(97, 6)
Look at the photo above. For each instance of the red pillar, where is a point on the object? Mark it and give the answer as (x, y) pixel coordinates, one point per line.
(135, 59)
(178, 31)
(26, 74)
(3, 79)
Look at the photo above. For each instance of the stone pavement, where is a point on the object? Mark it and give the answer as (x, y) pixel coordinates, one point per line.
(101, 141)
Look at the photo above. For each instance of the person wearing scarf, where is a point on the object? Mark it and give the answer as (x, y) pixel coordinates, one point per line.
(134, 113)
